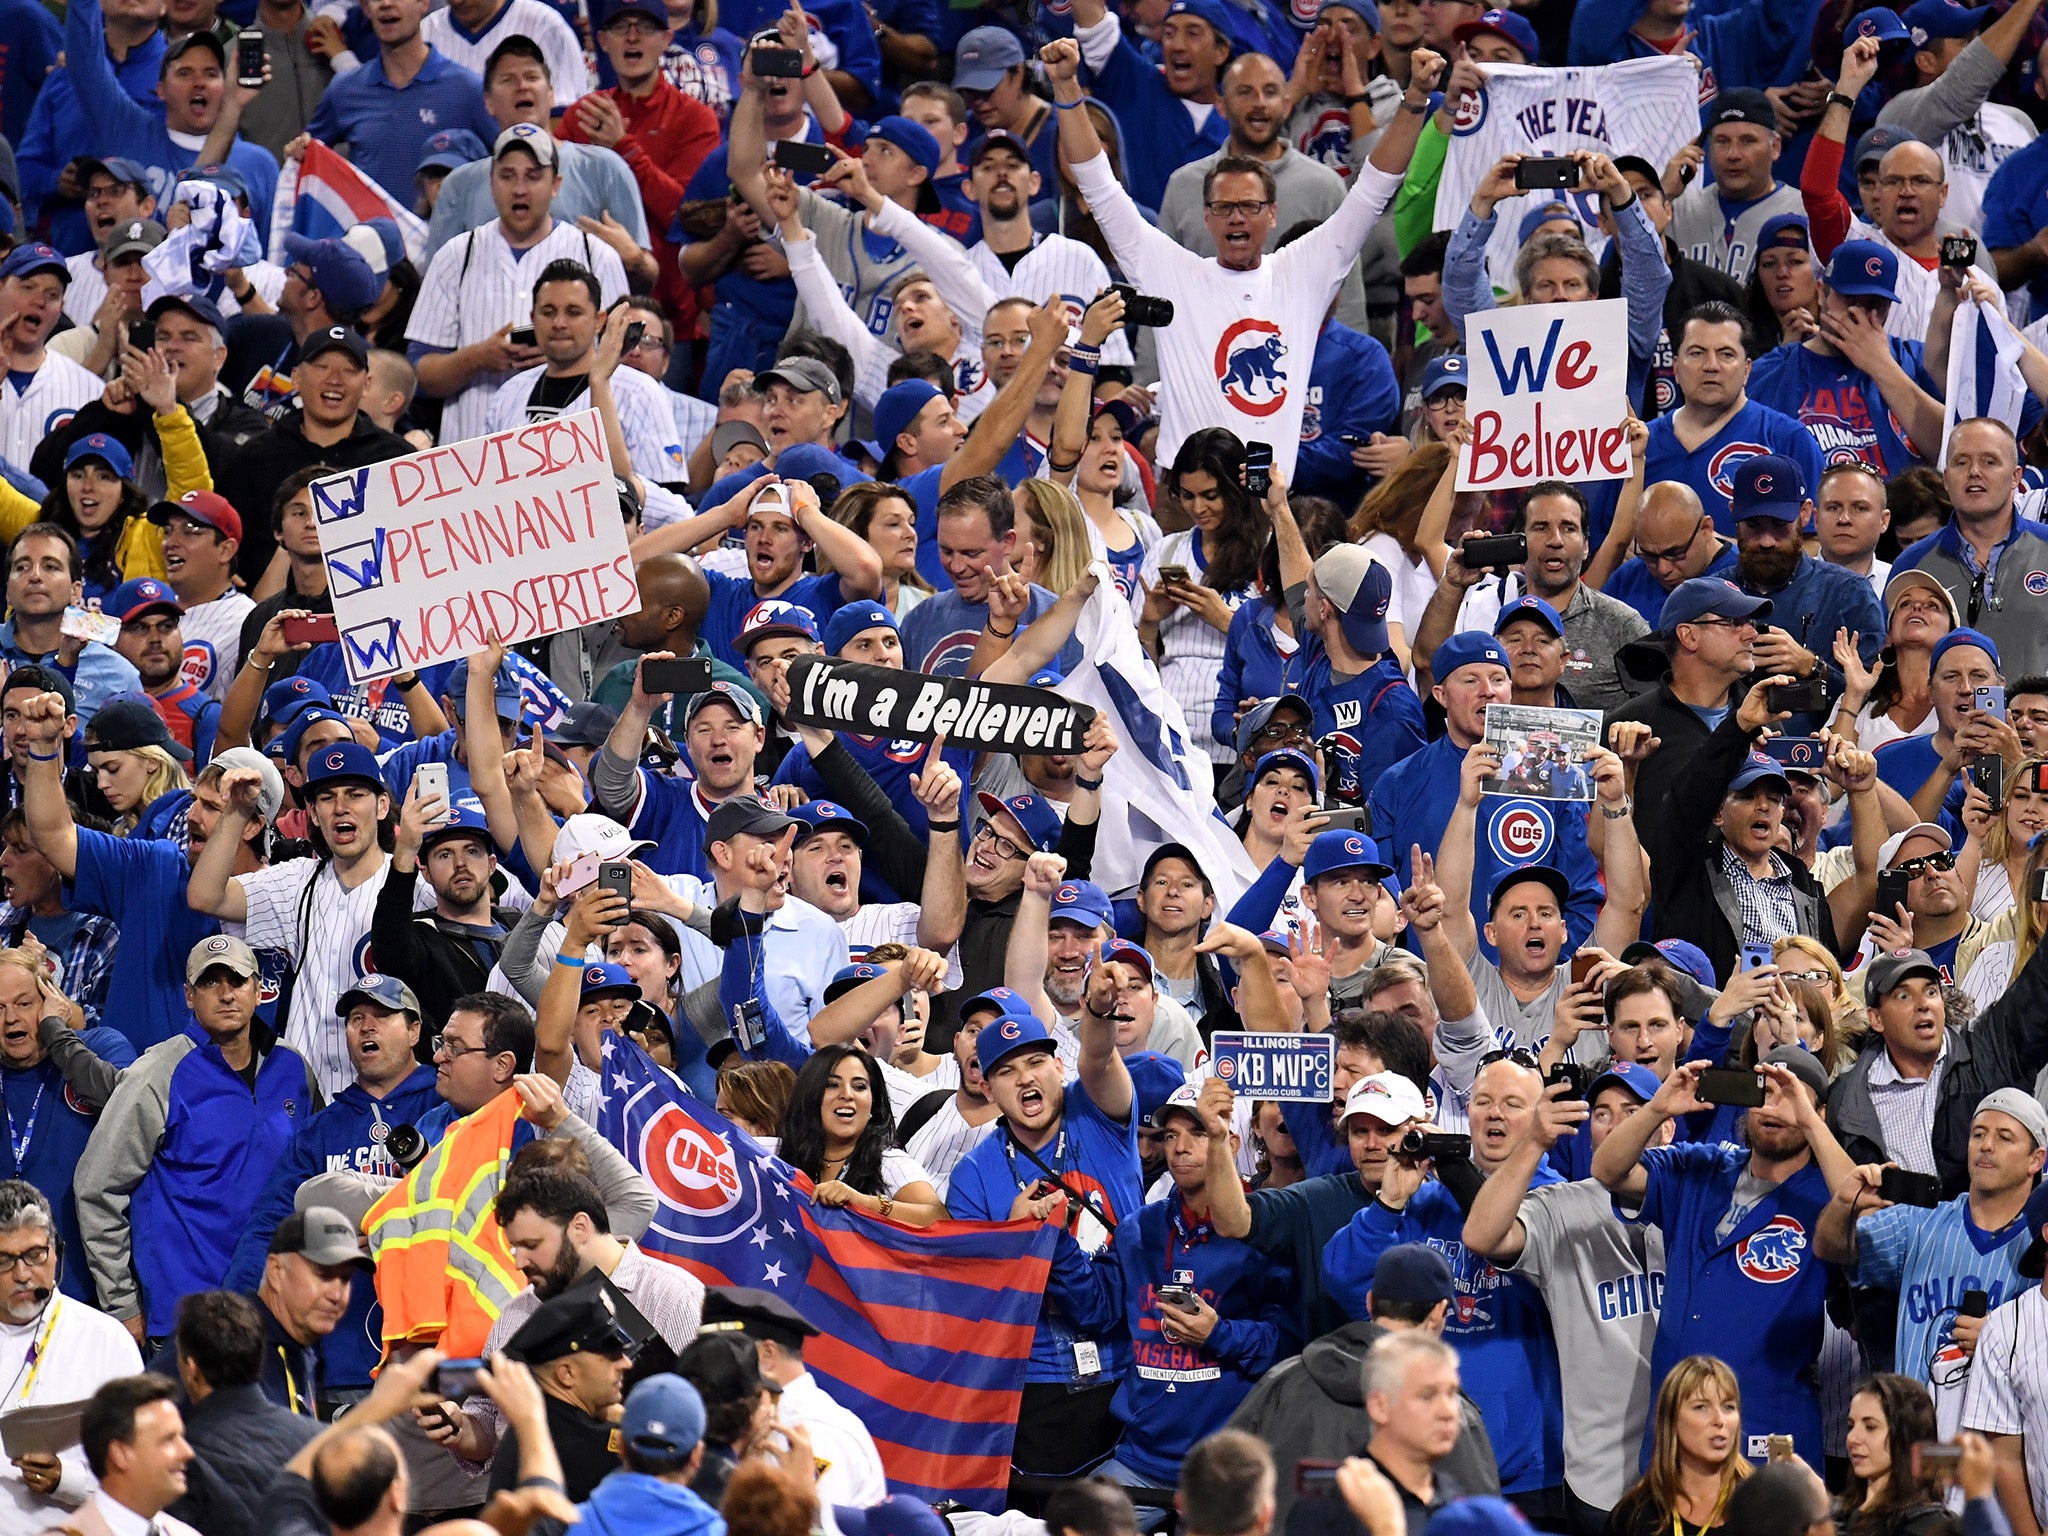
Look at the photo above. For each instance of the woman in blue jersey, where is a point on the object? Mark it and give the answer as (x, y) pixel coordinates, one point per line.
(1696, 1456)
(702, 58)
(840, 1130)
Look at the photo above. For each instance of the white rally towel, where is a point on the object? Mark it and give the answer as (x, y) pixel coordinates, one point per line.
(195, 258)
(1159, 788)
(1983, 370)
(1646, 107)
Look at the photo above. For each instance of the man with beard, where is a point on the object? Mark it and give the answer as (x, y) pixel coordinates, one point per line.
(449, 950)
(947, 1124)
(152, 642)
(1505, 1348)
(556, 1223)
(1738, 1225)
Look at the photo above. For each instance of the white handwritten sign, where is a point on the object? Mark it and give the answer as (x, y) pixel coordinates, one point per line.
(515, 534)
(1548, 398)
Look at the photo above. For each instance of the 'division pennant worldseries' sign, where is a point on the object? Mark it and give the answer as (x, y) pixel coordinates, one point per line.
(1548, 397)
(916, 706)
(514, 535)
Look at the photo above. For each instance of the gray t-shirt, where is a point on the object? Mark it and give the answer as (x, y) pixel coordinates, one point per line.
(1603, 1280)
(1526, 1026)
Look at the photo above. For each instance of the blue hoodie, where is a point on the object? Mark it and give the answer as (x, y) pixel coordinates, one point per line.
(56, 128)
(53, 1127)
(348, 1135)
(1352, 392)
(1755, 43)
(634, 1504)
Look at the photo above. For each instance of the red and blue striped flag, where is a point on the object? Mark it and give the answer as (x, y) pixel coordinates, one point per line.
(322, 196)
(924, 1333)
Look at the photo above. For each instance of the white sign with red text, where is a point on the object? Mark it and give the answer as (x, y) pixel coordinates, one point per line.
(1548, 394)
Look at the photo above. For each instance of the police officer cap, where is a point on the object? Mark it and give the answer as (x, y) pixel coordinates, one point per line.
(756, 1313)
(577, 1322)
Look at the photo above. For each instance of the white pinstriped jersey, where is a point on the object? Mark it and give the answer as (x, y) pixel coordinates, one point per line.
(1190, 649)
(872, 356)
(891, 922)
(943, 1140)
(478, 283)
(520, 18)
(1238, 352)
(213, 642)
(644, 416)
(327, 955)
(2007, 1392)
(54, 393)
(88, 287)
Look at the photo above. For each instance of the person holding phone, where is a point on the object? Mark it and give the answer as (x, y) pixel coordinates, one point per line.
(1932, 770)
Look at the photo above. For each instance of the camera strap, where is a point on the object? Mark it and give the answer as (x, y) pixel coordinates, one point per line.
(1079, 1199)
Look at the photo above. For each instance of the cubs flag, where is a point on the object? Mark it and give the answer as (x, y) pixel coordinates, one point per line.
(322, 196)
(1647, 107)
(924, 1334)
(1983, 370)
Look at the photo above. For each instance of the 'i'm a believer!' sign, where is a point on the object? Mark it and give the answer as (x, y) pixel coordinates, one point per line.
(515, 534)
(1548, 398)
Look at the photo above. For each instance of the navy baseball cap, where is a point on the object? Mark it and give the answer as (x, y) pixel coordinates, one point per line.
(1768, 485)
(1005, 1035)
(773, 616)
(129, 721)
(1544, 213)
(847, 977)
(854, 619)
(1080, 901)
(1632, 1075)
(338, 338)
(1956, 637)
(1878, 22)
(343, 762)
(339, 271)
(1363, 9)
(1468, 647)
(1542, 874)
(386, 992)
(1213, 12)
(1339, 849)
(1702, 595)
(1503, 24)
(1041, 823)
(27, 260)
(108, 450)
(996, 138)
(995, 1000)
(899, 403)
(124, 171)
(1447, 371)
(144, 594)
(1928, 19)
(283, 701)
(1741, 105)
(197, 305)
(1877, 140)
(603, 979)
(1285, 757)
(1681, 954)
(505, 695)
(1757, 767)
(1528, 607)
(1787, 229)
(452, 147)
(984, 56)
(1413, 1274)
(1864, 269)
(913, 138)
(815, 816)
(463, 821)
(1124, 952)
(1257, 717)
(604, 12)
(585, 725)
(664, 1420)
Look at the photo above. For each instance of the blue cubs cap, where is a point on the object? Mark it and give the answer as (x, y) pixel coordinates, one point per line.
(1448, 371)
(1486, 1516)
(604, 12)
(1361, 589)
(1527, 607)
(664, 1420)
(984, 56)
(1757, 767)
(852, 620)
(1542, 874)
(343, 762)
(1285, 757)
(27, 260)
(1768, 485)
(1680, 954)
(200, 308)
(1413, 1274)
(815, 816)
(283, 701)
(1364, 9)
(1468, 647)
(1155, 1079)
(1864, 269)
(1041, 823)
(449, 148)
(897, 1515)
(913, 138)
(1125, 952)
(1048, 677)
(772, 616)
(847, 977)
(1926, 20)
(898, 407)
(1956, 637)
(995, 1000)
(1214, 12)
(303, 719)
(1877, 140)
(1503, 24)
(1080, 901)
(1542, 214)
(386, 992)
(108, 450)
(226, 177)
(731, 695)
(1274, 942)
(124, 171)
(339, 271)
(1878, 22)
(132, 599)
(1786, 229)
(463, 821)
(1632, 1075)
(1005, 1035)
(505, 696)
(603, 979)
(1703, 595)
(1339, 849)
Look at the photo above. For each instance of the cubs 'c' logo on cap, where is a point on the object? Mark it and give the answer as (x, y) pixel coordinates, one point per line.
(1867, 28)
(217, 945)
(335, 760)
(1010, 1031)
(1874, 265)
(1372, 1090)
(594, 976)
(825, 810)
(1763, 484)
(1354, 845)
(1901, 954)
(1068, 893)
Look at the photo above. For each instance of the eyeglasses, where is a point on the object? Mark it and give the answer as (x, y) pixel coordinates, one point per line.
(1676, 552)
(635, 26)
(1931, 863)
(1250, 207)
(34, 1258)
(454, 1050)
(651, 342)
(1005, 849)
(1909, 183)
(1519, 1056)
(1282, 731)
(1818, 978)
(1721, 623)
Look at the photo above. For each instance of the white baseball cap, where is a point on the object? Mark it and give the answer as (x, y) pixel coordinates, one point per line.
(587, 832)
(1388, 1097)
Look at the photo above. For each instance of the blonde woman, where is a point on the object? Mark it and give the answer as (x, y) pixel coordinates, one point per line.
(1987, 960)
(1800, 958)
(1053, 547)
(887, 518)
(133, 758)
(1696, 1456)
(1386, 522)
(1994, 852)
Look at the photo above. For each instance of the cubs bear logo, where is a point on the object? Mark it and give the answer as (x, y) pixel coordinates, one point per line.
(1248, 367)
(1774, 1252)
(1722, 466)
(2036, 583)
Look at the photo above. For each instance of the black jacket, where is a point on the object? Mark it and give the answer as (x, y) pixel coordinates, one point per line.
(441, 961)
(240, 1439)
(1692, 283)
(233, 425)
(252, 476)
(1675, 724)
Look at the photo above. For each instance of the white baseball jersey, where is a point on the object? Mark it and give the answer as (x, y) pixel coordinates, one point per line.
(213, 642)
(477, 284)
(520, 18)
(1919, 287)
(1973, 151)
(327, 952)
(1702, 229)
(87, 288)
(891, 922)
(872, 356)
(2008, 1385)
(55, 392)
(943, 1140)
(1239, 350)
(644, 416)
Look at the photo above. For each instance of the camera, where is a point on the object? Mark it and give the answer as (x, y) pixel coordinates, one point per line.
(405, 1146)
(1435, 1144)
(794, 155)
(1143, 309)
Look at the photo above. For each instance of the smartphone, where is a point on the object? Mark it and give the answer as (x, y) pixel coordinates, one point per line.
(616, 876)
(1494, 553)
(1805, 753)
(1809, 697)
(1936, 1458)
(1778, 1447)
(1988, 774)
(581, 872)
(1175, 575)
(1177, 1296)
(313, 629)
(430, 782)
(634, 335)
(1732, 1086)
(524, 336)
(456, 1379)
(1990, 700)
(1958, 250)
(1315, 1479)
(1546, 175)
(778, 64)
(801, 159)
(1903, 1187)
(249, 59)
(1583, 966)
(90, 624)
(142, 334)
(1569, 1073)
(1349, 818)
(1891, 892)
(1755, 956)
(1258, 469)
(679, 675)
(1974, 1304)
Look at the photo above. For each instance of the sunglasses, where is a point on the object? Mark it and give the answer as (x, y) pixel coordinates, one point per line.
(1519, 1056)
(1932, 863)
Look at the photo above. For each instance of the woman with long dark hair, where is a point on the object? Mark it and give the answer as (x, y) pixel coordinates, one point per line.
(646, 945)
(1884, 1495)
(840, 1130)
(1197, 578)
(1695, 1455)
(1782, 297)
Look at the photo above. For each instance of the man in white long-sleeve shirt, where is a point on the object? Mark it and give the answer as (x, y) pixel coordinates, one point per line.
(1238, 352)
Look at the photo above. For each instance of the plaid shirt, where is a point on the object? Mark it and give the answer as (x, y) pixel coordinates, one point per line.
(1768, 912)
(88, 960)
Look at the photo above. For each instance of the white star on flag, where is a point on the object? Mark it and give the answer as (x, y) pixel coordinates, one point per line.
(788, 1230)
(759, 1238)
(773, 1274)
